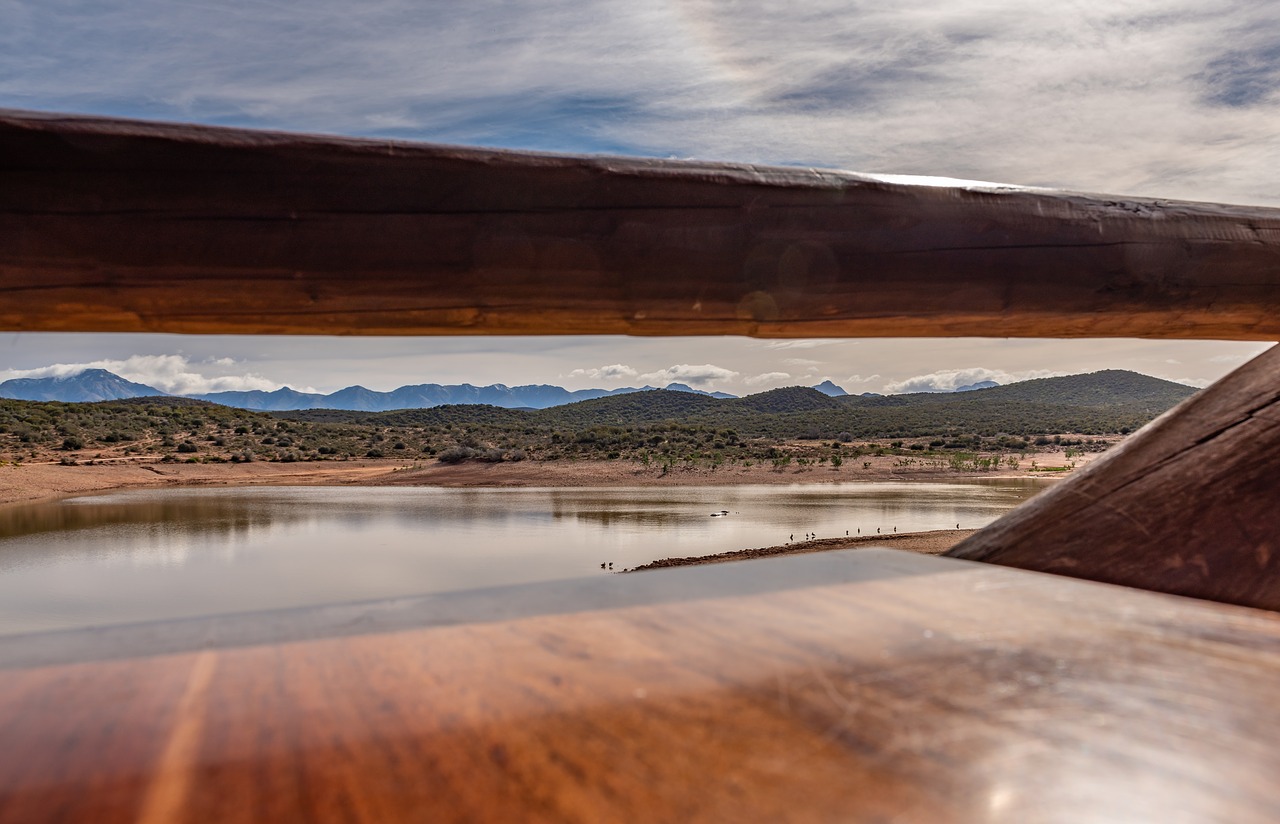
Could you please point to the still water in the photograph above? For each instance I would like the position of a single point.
(153, 554)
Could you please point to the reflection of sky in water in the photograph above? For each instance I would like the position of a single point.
(142, 555)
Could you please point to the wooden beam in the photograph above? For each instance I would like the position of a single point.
(1188, 505)
(112, 225)
(872, 685)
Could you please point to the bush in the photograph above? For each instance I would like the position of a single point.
(373, 453)
(187, 446)
(455, 454)
(72, 443)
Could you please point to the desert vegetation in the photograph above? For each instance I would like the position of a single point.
(983, 431)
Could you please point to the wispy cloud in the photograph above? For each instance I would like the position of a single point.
(766, 378)
(613, 372)
(699, 376)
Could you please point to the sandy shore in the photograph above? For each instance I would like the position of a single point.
(622, 473)
(928, 543)
(32, 482)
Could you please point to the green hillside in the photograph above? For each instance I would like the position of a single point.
(658, 426)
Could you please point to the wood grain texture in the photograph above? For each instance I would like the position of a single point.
(911, 689)
(1188, 505)
(110, 225)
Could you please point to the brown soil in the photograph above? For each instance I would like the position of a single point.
(627, 473)
(926, 543)
(35, 482)
(47, 480)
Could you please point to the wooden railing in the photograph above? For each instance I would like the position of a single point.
(124, 226)
(866, 685)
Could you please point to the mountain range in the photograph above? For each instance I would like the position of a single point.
(101, 385)
(93, 385)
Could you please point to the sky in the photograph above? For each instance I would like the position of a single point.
(1172, 99)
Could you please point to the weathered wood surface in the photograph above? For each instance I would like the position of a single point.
(109, 225)
(870, 685)
(1190, 504)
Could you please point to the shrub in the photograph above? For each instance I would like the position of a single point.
(455, 454)
(72, 443)
(187, 446)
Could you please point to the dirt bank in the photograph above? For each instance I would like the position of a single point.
(35, 482)
(27, 482)
(928, 543)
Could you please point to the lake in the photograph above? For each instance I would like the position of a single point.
(155, 554)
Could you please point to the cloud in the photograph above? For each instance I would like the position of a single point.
(767, 377)
(172, 374)
(613, 372)
(860, 379)
(699, 376)
(947, 380)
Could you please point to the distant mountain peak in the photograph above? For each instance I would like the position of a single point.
(969, 387)
(831, 390)
(86, 386)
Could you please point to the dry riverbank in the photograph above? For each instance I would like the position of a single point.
(934, 542)
(31, 482)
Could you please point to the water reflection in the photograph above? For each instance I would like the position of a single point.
(169, 553)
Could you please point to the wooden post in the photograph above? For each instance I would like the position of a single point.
(110, 225)
(1188, 505)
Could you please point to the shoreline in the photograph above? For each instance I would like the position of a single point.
(931, 542)
(41, 482)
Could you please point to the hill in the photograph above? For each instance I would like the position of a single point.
(662, 426)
